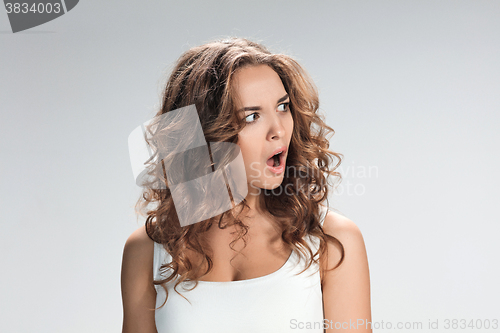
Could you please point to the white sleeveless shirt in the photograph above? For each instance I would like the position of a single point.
(278, 302)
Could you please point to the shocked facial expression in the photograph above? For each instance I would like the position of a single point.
(263, 104)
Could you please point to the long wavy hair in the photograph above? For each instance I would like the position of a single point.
(202, 76)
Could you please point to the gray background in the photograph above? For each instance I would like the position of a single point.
(411, 88)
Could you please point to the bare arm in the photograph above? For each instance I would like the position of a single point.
(138, 292)
(346, 289)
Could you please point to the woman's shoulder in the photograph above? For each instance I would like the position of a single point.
(138, 253)
(139, 241)
(336, 224)
(147, 253)
(348, 234)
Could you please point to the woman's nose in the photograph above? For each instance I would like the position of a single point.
(276, 130)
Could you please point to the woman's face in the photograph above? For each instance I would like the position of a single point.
(262, 102)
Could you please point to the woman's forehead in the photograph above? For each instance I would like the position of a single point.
(254, 83)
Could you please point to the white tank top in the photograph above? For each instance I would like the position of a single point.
(278, 302)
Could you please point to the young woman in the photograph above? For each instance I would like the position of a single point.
(280, 260)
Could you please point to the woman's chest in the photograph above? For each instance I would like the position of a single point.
(272, 303)
(252, 262)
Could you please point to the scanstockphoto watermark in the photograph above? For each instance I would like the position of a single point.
(346, 187)
(330, 324)
(448, 324)
(295, 184)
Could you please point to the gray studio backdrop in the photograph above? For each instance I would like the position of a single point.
(410, 87)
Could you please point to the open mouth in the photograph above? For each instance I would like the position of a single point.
(276, 160)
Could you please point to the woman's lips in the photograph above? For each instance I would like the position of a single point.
(283, 149)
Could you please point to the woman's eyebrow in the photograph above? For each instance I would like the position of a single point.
(282, 99)
(256, 108)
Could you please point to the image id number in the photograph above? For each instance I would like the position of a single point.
(24, 8)
(471, 324)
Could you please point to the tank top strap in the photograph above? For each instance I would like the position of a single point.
(323, 211)
(161, 257)
(314, 241)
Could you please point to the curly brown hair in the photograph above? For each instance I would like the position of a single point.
(202, 76)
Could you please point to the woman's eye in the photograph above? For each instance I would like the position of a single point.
(283, 106)
(251, 118)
